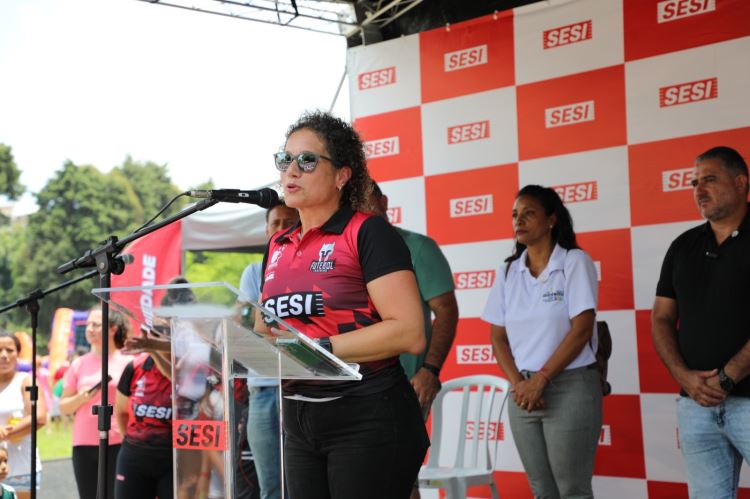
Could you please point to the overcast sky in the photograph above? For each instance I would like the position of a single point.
(93, 81)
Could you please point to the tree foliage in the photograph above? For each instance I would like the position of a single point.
(10, 175)
(152, 185)
(78, 209)
(212, 266)
(11, 246)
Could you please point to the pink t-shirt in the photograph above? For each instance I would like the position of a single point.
(85, 372)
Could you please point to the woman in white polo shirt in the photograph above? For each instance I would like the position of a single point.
(542, 310)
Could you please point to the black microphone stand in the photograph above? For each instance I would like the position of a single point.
(31, 302)
(104, 258)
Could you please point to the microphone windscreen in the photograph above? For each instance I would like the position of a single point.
(268, 198)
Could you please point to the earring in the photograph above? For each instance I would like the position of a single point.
(339, 187)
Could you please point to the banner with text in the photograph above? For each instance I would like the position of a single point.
(608, 102)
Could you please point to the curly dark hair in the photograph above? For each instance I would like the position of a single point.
(344, 147)
(562, 233)
(118, 320)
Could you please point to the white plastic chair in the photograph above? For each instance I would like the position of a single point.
(475, 455)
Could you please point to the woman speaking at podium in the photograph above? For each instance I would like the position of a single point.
(350, 268)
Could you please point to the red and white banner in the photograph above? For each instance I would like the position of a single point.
(156, 259)
(608, 102)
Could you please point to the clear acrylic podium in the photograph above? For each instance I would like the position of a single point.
(213, 350)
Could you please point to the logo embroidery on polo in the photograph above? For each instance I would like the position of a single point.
(275, 257)
(324, 263)
(140, 386)
(552, 295)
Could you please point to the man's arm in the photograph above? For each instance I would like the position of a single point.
(738, 366)
(699, 385)
(445, 308)
(444, 325)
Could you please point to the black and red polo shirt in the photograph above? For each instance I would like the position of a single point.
(318, 283)
(149, 395)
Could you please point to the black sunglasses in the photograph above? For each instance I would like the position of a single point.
(306, 160)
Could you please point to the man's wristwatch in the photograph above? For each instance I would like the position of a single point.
(433, 369)
(726, 383)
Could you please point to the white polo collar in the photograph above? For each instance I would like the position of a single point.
(556, 262)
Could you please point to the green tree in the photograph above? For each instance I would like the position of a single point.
(214, 266)
(12, 238)
(204, 186)
(10, 175)
(78, 208)
(152, 185)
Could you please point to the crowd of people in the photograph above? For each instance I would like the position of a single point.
(384, 299)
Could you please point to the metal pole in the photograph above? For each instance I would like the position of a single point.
(338, 90)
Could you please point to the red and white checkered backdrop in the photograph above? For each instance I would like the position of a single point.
(609, 101)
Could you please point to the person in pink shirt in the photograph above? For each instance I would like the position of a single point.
(80, 394)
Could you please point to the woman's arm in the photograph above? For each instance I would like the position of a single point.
(121, 412)
(528, 393)
(581, 329)
(142, 344)
(259, 326)
(71, 401)
(503, 354)
(396, 298)
(506, 362)
(581, 294)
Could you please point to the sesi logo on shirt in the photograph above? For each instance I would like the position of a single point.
(152, 411)
(307, 304)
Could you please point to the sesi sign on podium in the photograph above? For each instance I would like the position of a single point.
(199, 435)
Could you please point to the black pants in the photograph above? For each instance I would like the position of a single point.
(144, 473)
(246, 479)
(86, 469)
(365, 447)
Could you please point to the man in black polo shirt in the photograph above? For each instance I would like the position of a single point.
(701, 328)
